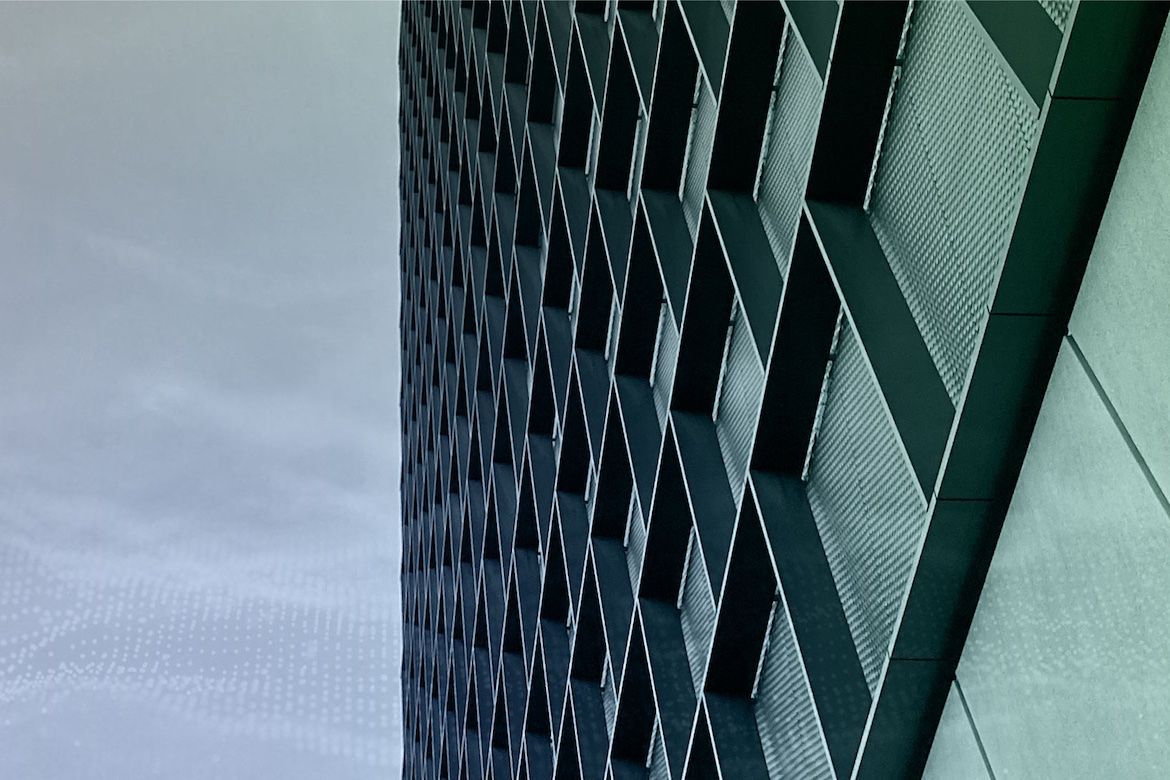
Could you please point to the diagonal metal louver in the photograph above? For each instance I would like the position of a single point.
(724, 330)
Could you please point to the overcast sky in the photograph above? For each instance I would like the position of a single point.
(199, 521)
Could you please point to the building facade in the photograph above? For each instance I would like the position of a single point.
(785, 389)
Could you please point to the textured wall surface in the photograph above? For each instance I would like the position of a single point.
(1066, 671)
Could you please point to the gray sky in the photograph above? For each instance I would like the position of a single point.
(199, 521)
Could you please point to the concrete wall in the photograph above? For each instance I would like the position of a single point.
(1066, 671)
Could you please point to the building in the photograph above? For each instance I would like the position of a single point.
(785, 389)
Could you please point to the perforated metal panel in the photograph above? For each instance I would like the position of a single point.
(694, 185)
(611, 335)
(785, 715)
(659, 769)
(594, 148)
(866, 502)
(639, 155)
(609, 698)
(949, 179)
(1058, 11)
(739, 404)
(635, 542)
(697, 613)
(664, 363)
(792, 127)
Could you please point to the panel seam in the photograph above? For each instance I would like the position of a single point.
(1134, 452)
(974, 730)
